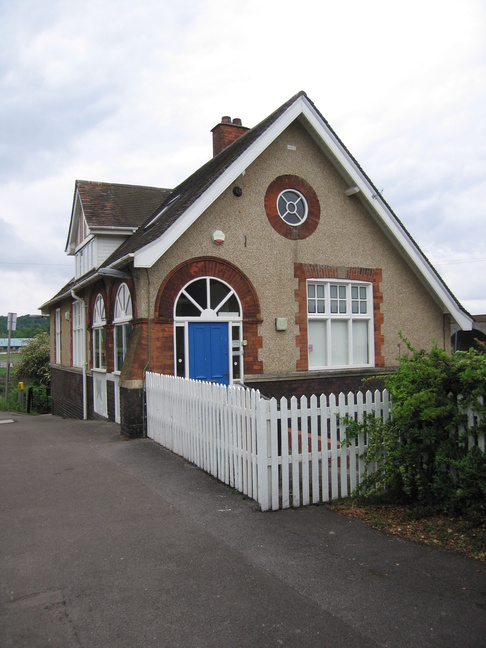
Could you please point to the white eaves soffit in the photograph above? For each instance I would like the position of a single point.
(76, 214)
(303, 110)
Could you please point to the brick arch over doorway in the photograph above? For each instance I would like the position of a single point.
(225, 271)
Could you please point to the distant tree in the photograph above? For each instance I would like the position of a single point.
(27, 326)
(33, 361)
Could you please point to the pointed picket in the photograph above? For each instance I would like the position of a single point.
(315, 437)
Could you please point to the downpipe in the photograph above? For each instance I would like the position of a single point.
(144, 385)
(85, 362)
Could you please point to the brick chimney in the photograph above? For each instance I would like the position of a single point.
(226, 133)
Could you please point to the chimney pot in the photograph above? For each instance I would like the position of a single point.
(226, 132)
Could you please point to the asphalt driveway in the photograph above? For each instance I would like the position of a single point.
(113, 543)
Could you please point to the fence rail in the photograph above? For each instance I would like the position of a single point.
(282, 454)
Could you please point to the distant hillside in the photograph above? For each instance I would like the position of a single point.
(27, 326)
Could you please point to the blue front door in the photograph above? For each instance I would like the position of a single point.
(208, 351)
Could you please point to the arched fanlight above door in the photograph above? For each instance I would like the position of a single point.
(207, 298)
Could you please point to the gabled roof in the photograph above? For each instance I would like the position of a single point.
(171, 213)
(110, 206)
(192, 197)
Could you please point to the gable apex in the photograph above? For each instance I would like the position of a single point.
(201, 190)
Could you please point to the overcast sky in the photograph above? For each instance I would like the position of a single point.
(128, 92)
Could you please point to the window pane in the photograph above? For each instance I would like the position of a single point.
(118, 348)
(95, 348)
(198, 291)
(230, 306)
(218, 292)
(236, 352)
(317, 343)
(185, 307)
(360, 342)
(339, 343)
(180, 352)
(128, 330)
(103, 348)
(315, 298)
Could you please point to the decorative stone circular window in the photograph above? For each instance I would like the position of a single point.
(292, 207)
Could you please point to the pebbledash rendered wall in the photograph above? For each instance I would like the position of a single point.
(269, 272)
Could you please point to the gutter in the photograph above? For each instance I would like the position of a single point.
(85, 385)
(82, 283)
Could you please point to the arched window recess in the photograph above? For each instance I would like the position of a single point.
(208, 332)
(123, 315)
(99, 333)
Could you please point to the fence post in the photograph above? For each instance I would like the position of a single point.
(262, 455)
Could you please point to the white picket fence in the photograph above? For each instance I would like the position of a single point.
(281, 454)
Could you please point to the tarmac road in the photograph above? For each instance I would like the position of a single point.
(112, 543)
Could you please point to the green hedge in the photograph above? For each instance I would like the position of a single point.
(422, 454)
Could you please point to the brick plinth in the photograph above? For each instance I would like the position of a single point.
(67, 393)
(316, 385)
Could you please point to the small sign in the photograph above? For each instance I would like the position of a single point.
(21, 386)
(12, 321)
(311, 348)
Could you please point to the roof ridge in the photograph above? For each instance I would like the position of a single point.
(120, 184)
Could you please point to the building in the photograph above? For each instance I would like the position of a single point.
(15, 343)
(276, 264)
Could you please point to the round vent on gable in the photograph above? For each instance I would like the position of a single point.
(292, 207)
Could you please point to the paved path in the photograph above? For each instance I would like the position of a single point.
(113, 543)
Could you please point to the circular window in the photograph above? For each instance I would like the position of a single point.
(292, 207)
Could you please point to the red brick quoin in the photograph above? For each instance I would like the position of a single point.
(219, 269)
(308, 227)
(304, 271)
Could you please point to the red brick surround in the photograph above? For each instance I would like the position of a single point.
(304, 271)
(220, 269)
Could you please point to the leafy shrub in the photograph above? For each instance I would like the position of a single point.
(33, 361)
(39, 399)
(422, 454)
